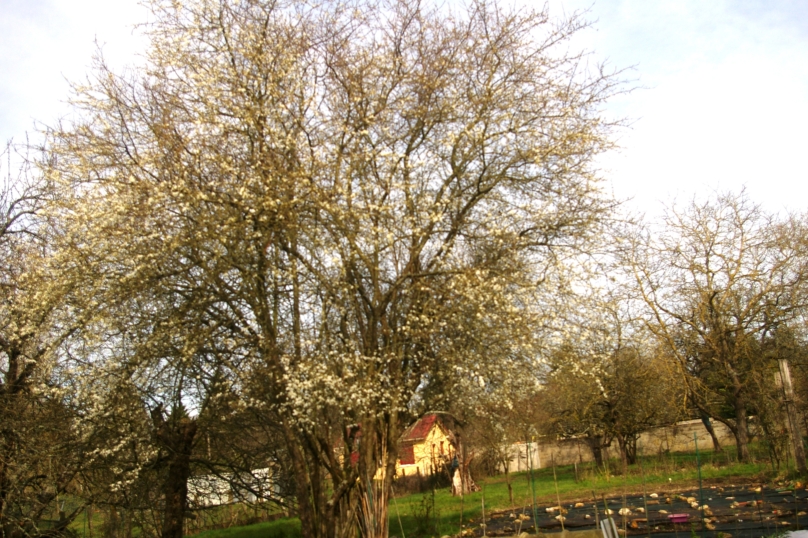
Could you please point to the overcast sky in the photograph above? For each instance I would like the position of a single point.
(722, 100)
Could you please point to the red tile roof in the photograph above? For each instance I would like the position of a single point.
(420, 429)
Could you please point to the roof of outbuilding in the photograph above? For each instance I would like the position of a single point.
(420, 429)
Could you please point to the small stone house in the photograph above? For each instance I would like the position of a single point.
(424, 447)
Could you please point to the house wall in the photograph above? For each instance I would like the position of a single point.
(425, 459)
(209, 490)
(213, 490)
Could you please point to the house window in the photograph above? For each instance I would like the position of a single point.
(407, 455)
(441, 448)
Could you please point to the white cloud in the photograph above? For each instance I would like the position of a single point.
(725, 98)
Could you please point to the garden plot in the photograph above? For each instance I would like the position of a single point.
(740, 511)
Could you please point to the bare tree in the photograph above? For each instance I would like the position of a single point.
(605, 380)
(494, 426)
(718, 278)
(612, 399)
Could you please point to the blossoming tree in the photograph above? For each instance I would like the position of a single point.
(354, 199)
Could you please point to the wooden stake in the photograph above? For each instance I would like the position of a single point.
(532, 485)
(461, 511)
(484, 525)
(597, 519)
(395, 502)
(644, 500)
(558, 497)
(792, 423)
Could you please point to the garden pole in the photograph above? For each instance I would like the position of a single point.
(762, 502)
(609, 522)
(461, 509)
(644, 500)
(625, 516)
(597, 519)
(484, 524)
(759, 503)
(558, 498)
(532, 486)
(395, 502)
(701, 492)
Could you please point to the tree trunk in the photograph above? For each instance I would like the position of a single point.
(772, 445)
(510, 486)
(632, 451)
(791, 414)
(176, 436)
(705, 419)
(467, 484)
(112, 525)
(377, 454)
(5, 525)
(595, 444)
(325, 510)
(741, 430)
(628, 449)
(306, 503)
(176, 485)
(621, 444)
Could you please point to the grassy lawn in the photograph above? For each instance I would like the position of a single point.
(224, 518)
(280, 528)
(437, 513)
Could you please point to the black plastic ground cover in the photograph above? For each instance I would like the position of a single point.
(747, 511)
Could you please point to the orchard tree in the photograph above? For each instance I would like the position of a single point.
(41, 453)
(352, 199)
(719, 277)
(163, 403)
(605, 381)
(496, 424)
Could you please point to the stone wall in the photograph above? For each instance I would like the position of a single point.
(675, 438)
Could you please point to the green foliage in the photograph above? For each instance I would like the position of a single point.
(424, 513)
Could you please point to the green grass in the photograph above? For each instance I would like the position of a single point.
(222, 518)
(281, 528)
